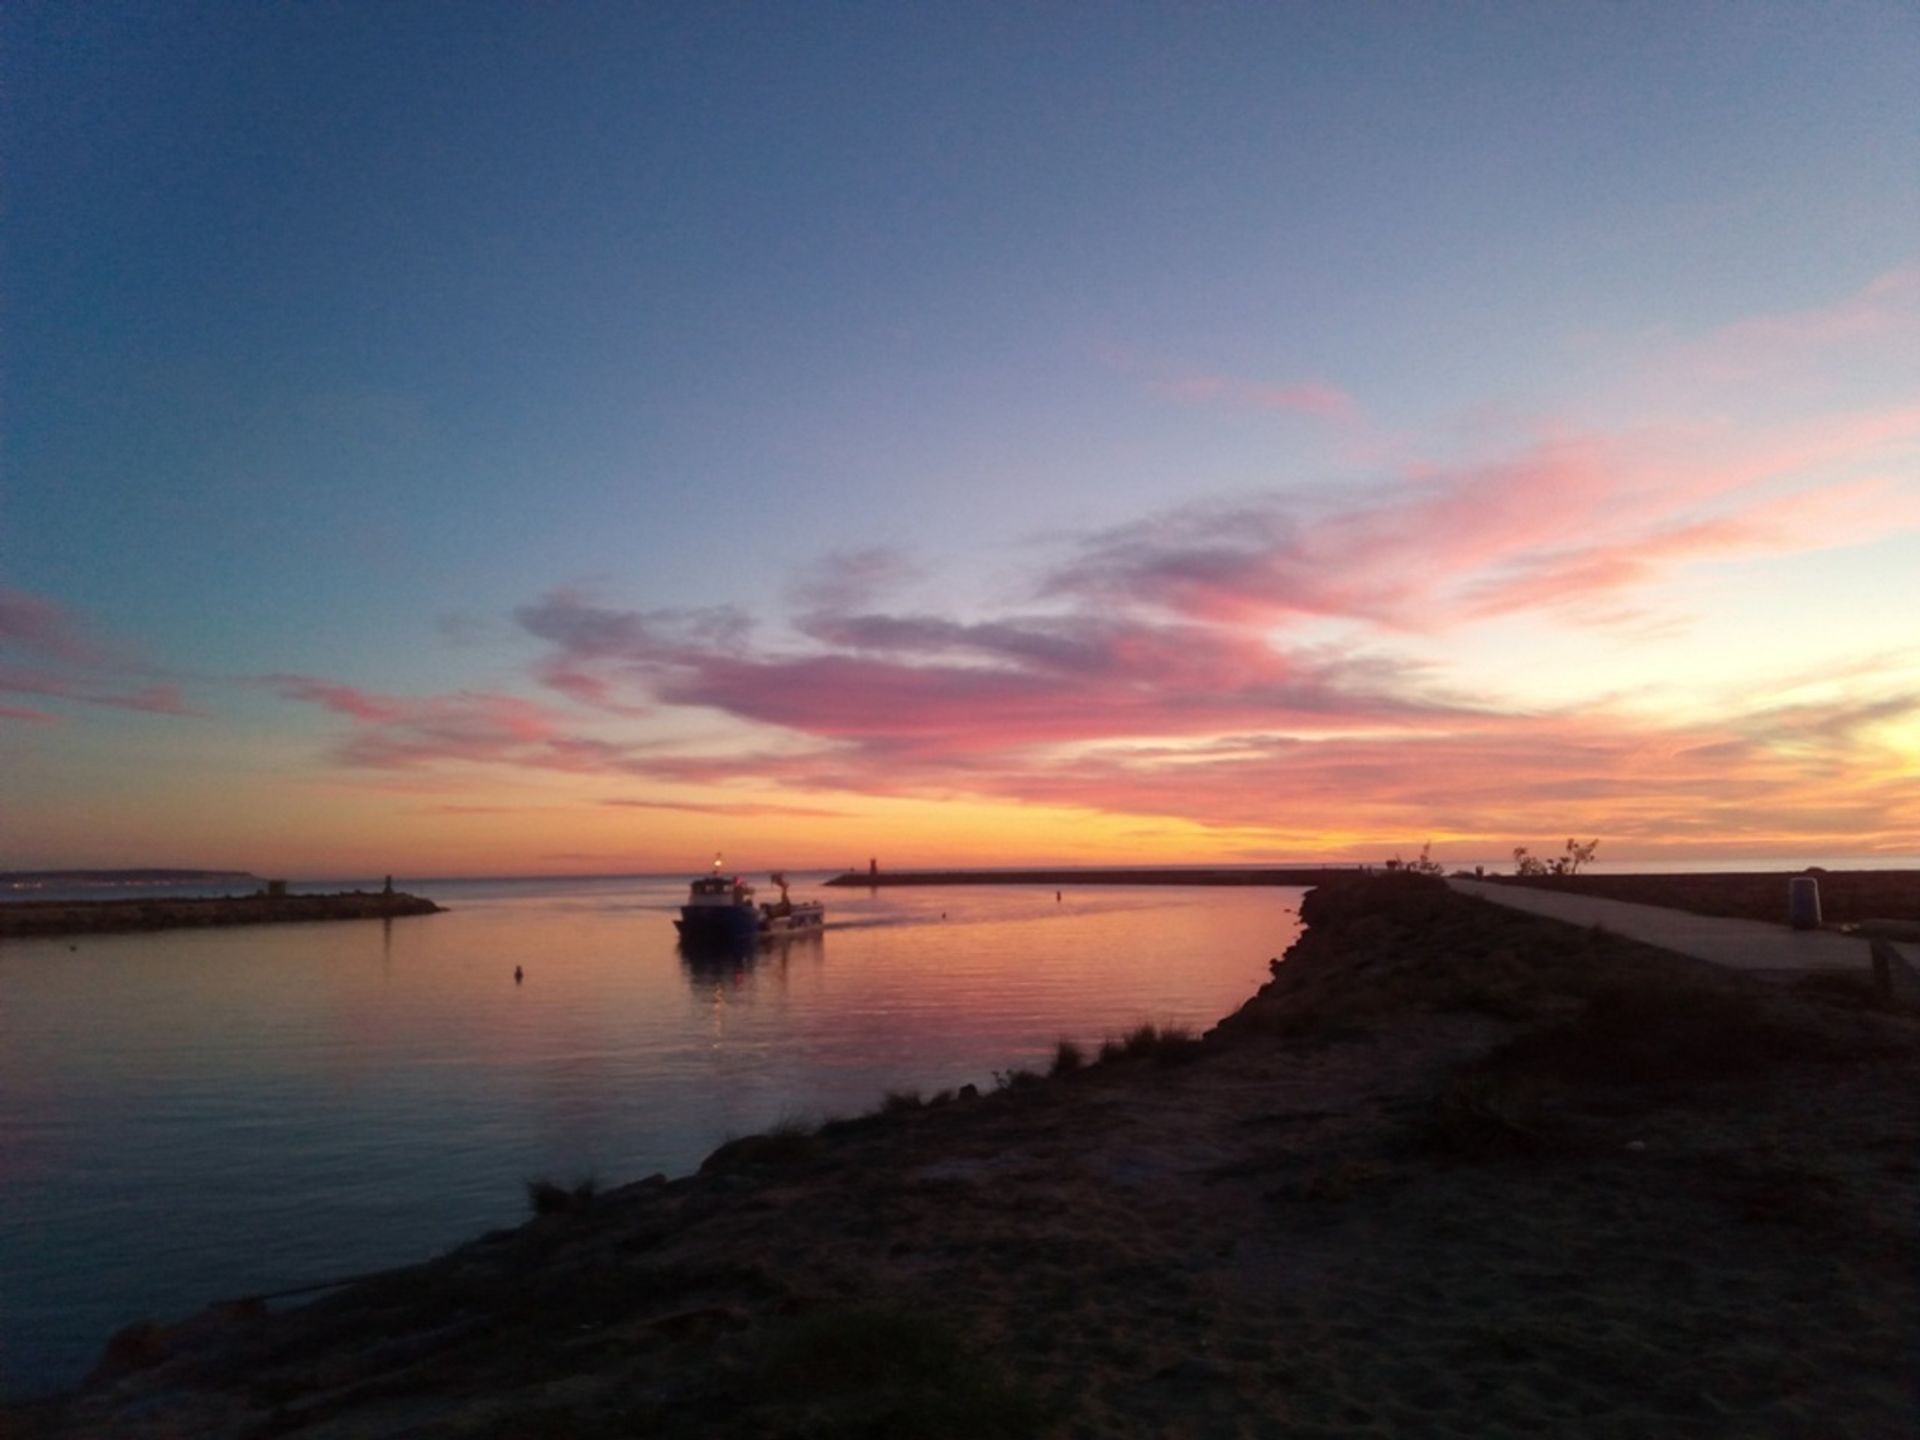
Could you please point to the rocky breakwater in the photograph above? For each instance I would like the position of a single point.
(92, 917)
(1454, 1171)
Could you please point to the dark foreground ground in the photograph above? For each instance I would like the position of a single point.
(89, 917)
(1455, 1172)
(1847, 897)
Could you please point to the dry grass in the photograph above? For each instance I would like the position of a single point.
(1168, 1044)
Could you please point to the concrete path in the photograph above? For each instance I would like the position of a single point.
(1738, 944)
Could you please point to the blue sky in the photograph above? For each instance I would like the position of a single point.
(338, 336)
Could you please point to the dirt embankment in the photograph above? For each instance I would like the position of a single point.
(1455, 1171)
(91, 917)
(1847, 897)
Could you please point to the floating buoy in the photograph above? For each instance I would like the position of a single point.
(518, 974)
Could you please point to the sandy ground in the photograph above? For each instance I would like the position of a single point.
(1455, 1172)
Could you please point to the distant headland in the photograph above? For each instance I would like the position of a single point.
(78, 879)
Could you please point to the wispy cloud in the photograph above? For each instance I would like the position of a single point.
(46, 651)
(35, 625)
(1309, 397)
(926, 684)
(400, 732)
(743, 809)
(1567, 521)
(851, 579)
(1883, 315)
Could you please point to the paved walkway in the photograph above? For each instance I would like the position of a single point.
(1739, 944)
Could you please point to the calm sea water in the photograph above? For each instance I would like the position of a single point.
(201, 1115)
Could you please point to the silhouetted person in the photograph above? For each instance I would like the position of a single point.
(518, 974)
(389, 889)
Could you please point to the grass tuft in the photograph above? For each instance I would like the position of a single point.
(1067, 1058)
(884, 1371)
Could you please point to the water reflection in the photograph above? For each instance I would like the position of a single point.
(713, 970)
(191, 1114)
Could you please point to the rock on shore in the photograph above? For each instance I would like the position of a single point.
(1455, 1171)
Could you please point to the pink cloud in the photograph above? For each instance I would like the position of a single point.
(1574, 518)
(1316, 398)
(1788, 524)
(401, 732)
(45, 651)
(341, 699)
(39, 626)
(151, 699)
(20, 712)
(939, 686)
(1884, 311)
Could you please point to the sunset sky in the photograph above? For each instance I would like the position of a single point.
(473, 438)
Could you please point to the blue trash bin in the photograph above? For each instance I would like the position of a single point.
(1803, 902)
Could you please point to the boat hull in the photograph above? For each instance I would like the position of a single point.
(718, 927)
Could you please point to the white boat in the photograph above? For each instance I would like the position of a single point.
(783, 917)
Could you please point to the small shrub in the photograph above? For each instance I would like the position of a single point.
(1015, 1079)
(547, 1198)
(898, 1102)
(1067, 1058)
(1424, 864)
(791, 1141)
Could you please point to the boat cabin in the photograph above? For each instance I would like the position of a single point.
(719, 890)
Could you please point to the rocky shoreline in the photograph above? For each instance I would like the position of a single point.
(1454, 1171)
(24, 918)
